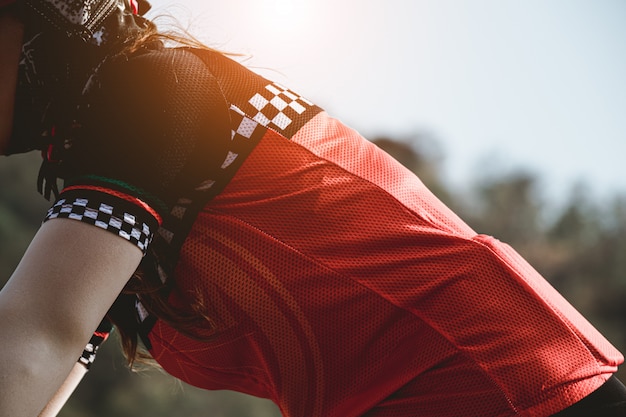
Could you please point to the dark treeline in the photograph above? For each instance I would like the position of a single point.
(579, 245)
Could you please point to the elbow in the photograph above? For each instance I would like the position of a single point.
(29, 374)
(30, 350)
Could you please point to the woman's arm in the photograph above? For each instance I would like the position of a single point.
(68, 278)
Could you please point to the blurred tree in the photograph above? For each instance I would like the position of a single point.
(509, 208)
(420, 154)
(591, 269)
(21, 209)
(575, 236)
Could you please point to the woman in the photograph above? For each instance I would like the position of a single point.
(272, 250)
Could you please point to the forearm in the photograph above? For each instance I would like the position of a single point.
(66, 282)
(79, 370)
(31, 370)
(35, 357)
(65, 391)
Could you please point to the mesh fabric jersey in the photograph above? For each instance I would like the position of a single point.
(339, 285)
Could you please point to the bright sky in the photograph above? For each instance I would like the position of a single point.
(539, 84)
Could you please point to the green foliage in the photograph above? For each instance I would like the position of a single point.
(21, 209)
(581, 249)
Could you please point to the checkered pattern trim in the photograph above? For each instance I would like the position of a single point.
(108, 213)
(98, 338)
(244, 127)
(89, 353)
(273, 107)
(277, 107)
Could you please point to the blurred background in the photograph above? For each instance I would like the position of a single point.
(511, 111)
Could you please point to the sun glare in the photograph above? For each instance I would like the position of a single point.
(284, 15)
(283, 9)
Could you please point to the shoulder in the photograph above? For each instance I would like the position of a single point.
(144, 117)
(150, 75)
(152, 92)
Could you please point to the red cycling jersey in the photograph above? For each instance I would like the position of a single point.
(338, 284)
(345, 288)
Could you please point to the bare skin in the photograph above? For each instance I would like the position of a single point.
(62, 288)
(68, 278)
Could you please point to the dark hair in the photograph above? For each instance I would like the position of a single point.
(176, 37)
(146, 286)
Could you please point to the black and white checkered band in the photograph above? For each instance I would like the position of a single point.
(109, 213)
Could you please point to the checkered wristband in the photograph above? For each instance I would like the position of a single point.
(123, 215)
(99, 337)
